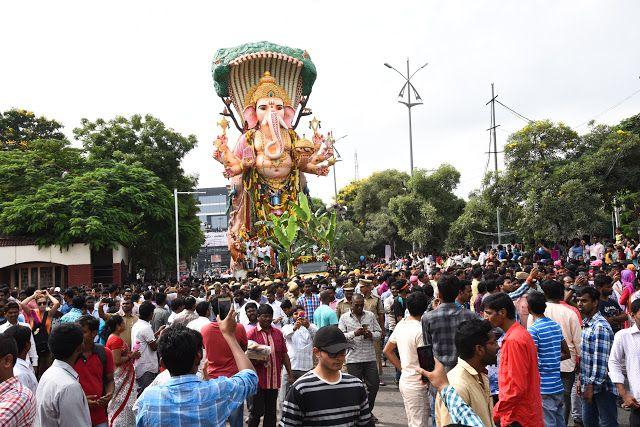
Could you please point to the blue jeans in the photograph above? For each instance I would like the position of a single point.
(552, 409)
(601, 412)
(235, 417)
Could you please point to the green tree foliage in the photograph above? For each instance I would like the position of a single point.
(138, 139)
(367, 204)
(478, 215)
(424, 214)
(557, 185)
(389, 207)
(112, 191)
(19, 127)
(45, 160)
(159, 149)
(350, 243)
(103, 206)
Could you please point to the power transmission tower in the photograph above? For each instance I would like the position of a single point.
(356, 175)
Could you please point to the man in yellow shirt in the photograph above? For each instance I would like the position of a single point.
(477, 347)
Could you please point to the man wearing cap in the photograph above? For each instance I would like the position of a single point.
(344, 305)
(325, 396)
(362, 329)
(294, 293)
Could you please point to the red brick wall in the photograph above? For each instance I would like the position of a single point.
(117, 279)
(79, 274)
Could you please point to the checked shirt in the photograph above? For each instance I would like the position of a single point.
(597, 339)
(310, 304)
(439, 328)
(460, 412)
(186, 400)
(17, 404)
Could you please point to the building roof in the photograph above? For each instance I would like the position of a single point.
(16, 241)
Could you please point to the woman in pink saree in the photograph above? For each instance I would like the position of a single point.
(120, 409)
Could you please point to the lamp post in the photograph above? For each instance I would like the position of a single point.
(335, 181)
(175, 206)
(418, 101)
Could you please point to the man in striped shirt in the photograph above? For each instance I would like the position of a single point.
(325, 396)
(547, 336)
(269, 372)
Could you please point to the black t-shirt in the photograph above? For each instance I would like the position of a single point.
(610, 308)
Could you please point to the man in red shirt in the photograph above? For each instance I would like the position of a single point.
(269, 373)
(220, 361)
(95, 372)
(520, 401)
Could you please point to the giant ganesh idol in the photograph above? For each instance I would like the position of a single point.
(265, 88)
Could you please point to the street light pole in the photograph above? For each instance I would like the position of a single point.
(410, 127)
(335, 181)
(418, 101)
(175, 206)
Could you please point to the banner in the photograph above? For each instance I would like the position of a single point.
(215, 239)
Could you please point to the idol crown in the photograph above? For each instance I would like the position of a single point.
(266, 88)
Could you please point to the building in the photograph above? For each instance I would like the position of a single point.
(212, 205)
(23, 264)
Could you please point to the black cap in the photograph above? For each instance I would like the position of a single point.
(331, 339)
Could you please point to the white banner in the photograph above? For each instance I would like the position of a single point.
(215, 239)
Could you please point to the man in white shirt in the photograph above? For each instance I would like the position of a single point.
(12, 311)
(203, 308)
(60, 399)
(22, 370)
(596, 249)
(406, 338)
(624, 359)
(278, 314)
(299, 339)
(144, 340)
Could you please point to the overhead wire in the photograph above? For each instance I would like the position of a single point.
(616, 105)
(515, 112)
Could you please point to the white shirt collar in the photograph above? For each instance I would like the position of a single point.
(23, 363)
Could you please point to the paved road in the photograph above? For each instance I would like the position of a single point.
(390, 410)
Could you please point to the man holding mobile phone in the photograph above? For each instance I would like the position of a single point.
(361, 361)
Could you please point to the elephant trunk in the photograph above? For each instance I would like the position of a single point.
(274, 149)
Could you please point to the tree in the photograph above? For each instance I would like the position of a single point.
(44, 161)
(478, 216)
(424, 214)
(148, 142)
(102, 207)
(350, 243)
(19, 127)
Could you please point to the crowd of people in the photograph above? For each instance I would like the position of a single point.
(540, 337)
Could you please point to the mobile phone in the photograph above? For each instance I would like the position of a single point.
(425, 357)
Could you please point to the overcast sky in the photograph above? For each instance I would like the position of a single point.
(562, 60)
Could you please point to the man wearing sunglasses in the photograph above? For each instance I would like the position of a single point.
(325, 396)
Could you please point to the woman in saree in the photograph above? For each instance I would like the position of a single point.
(120, 409)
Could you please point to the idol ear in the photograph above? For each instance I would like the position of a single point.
(289, 113)
(249, 115)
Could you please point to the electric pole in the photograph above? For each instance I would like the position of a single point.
(492, 129)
